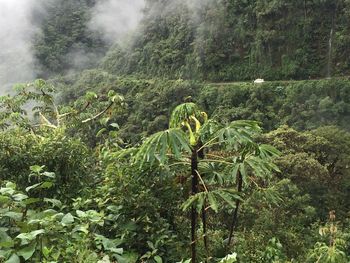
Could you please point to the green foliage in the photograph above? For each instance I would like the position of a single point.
(237, 40)
(295, 103)
(335, 250)
(65, 42)
(107, 189)
(68, 158)
(238, 152)
(321, 155)
(229, 258)
(37, 229)
(157, 147)
(211, 199)
(273, 252)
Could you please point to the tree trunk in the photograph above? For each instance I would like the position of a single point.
(205, 238)
(235, 213)
(194, 170)
(204, 212)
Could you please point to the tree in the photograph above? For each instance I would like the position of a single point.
(219, 158)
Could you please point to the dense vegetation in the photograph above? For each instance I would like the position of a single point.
(105, 177)
(213, 40)
(239, 40)
(65, 43)
(143, 157)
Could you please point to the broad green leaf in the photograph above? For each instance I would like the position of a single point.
(114, 125)
(32, 187)
(27, 251)
(7, 190)
(54, 202)
(49, 174)
(46, 252)
(31, 235)
(80, 213)
(116, 250)
(105, 259)
(229, 197)
(67, 219)
(160, 144)
(4, 199)
(212, 202)
(158, 259)
(31, 201)
(183, 112)
(13, 259)
(81, 228)
(14, 215)
(229, 258)
(19, 197)
(46, 185)
(5, 240)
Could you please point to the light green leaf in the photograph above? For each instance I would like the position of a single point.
(31, 235)
(81, 228)
(27, 251)
(5, 240)
(212, 202)
(14, 215)
(67, 219)
(158, 259)
(13, 259)
(32, 187)
(54, 202)
(19, 197)
(36, 168)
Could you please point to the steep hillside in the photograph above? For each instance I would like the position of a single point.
(238, 40)
(303, 105)
(221, 40)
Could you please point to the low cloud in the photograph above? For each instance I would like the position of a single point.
(17, 30)
(116, 18)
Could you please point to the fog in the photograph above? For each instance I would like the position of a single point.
(115, 19)
(17, 63)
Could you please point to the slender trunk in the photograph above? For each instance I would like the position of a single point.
(204, 212)
(235, 213)
(205, 238)
(194, 170)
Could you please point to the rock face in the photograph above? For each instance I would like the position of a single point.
(259, 81)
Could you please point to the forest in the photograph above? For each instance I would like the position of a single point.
(135, 133)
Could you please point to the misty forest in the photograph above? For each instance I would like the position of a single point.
(175, 131)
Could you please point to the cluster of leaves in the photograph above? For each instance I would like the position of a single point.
(35, 228)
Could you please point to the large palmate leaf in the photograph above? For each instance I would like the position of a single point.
(267, 151)
(238, 133)
(251, 166)
(159, 145)
(212, 198)
(183, 112)
(262, 168)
